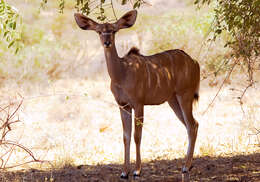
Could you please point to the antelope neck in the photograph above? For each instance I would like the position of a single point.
(115, 67)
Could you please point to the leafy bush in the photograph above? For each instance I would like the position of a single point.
(241, 20)
(9, 28)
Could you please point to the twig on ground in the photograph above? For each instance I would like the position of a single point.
(7, 120)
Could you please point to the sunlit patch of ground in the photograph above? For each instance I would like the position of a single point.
(78, 122)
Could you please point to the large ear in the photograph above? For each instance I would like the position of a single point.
(84, 22)
(127, 20)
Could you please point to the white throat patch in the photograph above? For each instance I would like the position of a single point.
(106, 33)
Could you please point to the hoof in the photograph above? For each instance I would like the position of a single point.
(137, 173)
(124, 175)
(185, 170)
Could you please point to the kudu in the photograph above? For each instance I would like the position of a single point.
(138, 80)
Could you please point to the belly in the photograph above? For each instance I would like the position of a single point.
(158, 95)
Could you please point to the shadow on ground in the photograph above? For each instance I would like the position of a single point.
(242, 168)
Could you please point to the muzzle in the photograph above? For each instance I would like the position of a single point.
(107, 43)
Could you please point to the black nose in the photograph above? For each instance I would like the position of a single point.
(107, 43)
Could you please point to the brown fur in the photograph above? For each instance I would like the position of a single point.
(133, 50)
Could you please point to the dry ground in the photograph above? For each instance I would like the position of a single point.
(240, 168)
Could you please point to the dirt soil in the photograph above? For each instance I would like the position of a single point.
(242, 168)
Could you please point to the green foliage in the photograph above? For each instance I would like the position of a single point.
(97, 8)
(9, 30)
(241, 19)
(138, 3)
(61, 5)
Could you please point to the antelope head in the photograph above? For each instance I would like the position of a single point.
(106, 31)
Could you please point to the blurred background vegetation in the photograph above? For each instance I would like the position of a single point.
(40, 40)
